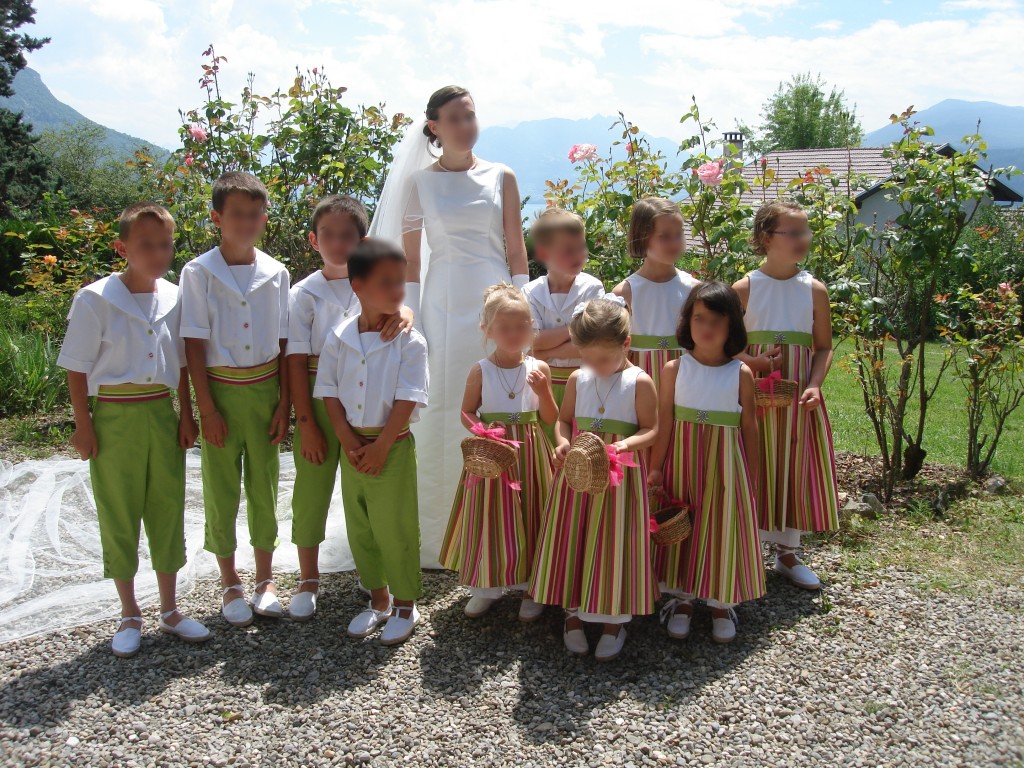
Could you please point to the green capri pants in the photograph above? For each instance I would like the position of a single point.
(138, 478)
(383, 522)
(247, 458)
(314, 485)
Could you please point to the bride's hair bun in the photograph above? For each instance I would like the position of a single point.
(438, 99)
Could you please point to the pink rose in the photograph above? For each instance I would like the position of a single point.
(198, 133)
(189, 159)
(581, 152)
(710, 173)
(630, 148)
(1005, 289)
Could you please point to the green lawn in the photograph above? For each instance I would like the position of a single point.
(946, 431)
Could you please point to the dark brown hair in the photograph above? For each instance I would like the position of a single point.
(722, 300)
(369, 253)
(438, 99)
(342, 204)
(641, 222)
(236, 181)
(554, 221)
(137, 211)
(767, 218)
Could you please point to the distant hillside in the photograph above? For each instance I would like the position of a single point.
(1002, 127)
(537, 150)
(43, 110)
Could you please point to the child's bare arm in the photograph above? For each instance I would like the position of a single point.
(666, 415)
(647, 416)
(472, 396)
(748, 422)
(83, 439)
(214, 427)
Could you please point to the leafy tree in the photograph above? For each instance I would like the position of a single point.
(23, 171)
(801, 115)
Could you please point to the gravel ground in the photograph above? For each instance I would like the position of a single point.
(864, 674)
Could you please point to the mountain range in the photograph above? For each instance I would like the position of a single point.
(538, 149)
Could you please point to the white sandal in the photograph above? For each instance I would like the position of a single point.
(799, 575)
(237, 613)
(126, 642)
(676, 622)
(266, 603)
(302, 606)
(189, 630)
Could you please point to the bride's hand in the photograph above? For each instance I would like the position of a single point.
(392, 325)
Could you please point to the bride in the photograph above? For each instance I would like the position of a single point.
(469, 210)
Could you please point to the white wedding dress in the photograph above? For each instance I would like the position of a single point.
(461, 215)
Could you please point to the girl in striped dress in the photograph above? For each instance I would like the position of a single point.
(655, 293)
(789, 330)
(706, 420)
(492, 531)
(593, 556)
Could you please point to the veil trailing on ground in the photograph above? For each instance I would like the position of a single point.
(51, 562)
(394, 216)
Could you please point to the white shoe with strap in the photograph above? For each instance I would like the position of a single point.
(126, 640)
(610, 646)
(677, 622)
(723, 629)
(400, 625)
(575, 639)
(236, 612)
(369, 621)
(266, 603)
(189, 630)
(530, 610)
(798, 574)
(478, 605)
(302, 606)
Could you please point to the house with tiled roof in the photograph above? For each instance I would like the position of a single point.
(867, 167)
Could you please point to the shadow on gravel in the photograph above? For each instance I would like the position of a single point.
(558, 694)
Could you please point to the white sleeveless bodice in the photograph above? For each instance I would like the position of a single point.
(497, 382)
(708, 388)
(656, 306)
(618, 393)
(780, 305)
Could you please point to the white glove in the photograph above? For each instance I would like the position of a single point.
(520, 281)
(412, 299)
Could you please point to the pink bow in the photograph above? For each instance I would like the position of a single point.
(617, 462)
(492, 433)
(767, 383)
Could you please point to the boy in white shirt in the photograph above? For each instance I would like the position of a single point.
(373, 389)
(234, 318)
(122, 349)
(560, 244)
(317, 305)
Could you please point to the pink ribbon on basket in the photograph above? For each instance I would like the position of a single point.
(492, 433)
(617, 462)
(767, 383)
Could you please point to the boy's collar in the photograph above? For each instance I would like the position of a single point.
(116, 293)
(546, 293)
(319, 286)
(349, 332)
(266, 268)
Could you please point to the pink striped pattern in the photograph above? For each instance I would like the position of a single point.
(796, 487)
(594, 551)
(492, 532)
(707, 468)
(653, 361)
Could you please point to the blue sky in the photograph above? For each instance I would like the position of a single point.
(131, 64)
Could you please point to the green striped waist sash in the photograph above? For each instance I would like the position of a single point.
(524, 417)
(226, 374)
(131, 393)
(374, 432)
(560, 374)
(601, 424)
(639, 341)
(718, 418)
(796, 338)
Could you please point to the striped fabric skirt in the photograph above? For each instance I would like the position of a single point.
(652, 361)
(493, 529)
(707, 469)
(594, 551)
(797, 483)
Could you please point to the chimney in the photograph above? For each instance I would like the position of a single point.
(733, 146)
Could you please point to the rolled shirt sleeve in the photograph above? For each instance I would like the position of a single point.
(326, 384)
(195, 315)
(81, 346)
(412, 372)
(300, 322)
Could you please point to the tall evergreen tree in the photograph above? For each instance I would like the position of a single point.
(23, 169)
(801, 115)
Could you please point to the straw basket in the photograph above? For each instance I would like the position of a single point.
(673, 519)
(486, 457)
(781, 395)
(586, 465)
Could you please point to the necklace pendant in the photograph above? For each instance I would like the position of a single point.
(601, 409)
(511, 395)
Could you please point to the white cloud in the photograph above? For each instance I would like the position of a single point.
(131, 64)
